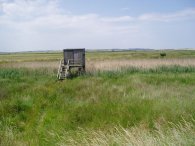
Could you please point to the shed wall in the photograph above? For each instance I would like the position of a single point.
(75, 55)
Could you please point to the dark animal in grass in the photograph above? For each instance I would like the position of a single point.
(163, 54)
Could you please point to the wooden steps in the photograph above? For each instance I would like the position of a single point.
(65, 70)
(61, 70)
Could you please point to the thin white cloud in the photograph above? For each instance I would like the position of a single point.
(48, 12)
(118, 19)
(42, 16)
(30, 8)
(180, 15)
(125, 9)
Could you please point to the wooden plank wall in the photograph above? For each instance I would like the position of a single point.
(74, 54)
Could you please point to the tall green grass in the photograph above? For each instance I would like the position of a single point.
(180, 134)
(100, 108)
(133, 70)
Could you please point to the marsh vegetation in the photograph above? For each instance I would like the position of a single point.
(123, 99)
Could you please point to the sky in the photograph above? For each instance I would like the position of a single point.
(31, 25)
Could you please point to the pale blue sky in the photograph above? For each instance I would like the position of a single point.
(132, 7)
(27, 25)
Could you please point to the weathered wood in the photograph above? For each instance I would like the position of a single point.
(73, 58)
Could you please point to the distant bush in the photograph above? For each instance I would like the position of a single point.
(163, 54)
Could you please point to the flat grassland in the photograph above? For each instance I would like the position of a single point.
(125, 98)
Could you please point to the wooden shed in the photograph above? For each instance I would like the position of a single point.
(73, 58)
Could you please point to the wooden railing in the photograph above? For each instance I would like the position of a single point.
(74, 62)
(59, 68)
(63, 69)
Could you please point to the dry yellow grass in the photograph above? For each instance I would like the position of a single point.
(137, 63)
(106, 64)
(180, 134)
(32, 64)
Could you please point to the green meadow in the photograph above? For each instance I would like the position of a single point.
(130, 106)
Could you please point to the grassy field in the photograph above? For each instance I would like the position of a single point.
(100, 55)
(135, 104)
